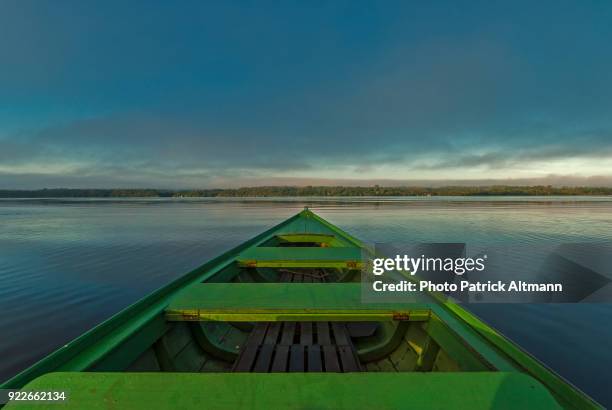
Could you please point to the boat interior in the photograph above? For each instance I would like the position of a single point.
(315, 345)
(286, 307)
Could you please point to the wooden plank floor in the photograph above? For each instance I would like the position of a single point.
(298, 347)
(301, 346)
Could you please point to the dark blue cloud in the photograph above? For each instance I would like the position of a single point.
(202, 92)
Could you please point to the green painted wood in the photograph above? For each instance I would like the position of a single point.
(177, 338)
(191, 358)
(164, 358)
(569, 395)
(390, 337)
(95, 345)
(403, 358)
(231, 391)
(275, 257)
(210, 344)
(116, 343)
(468, 358)
(307, 238)
(275, 301)
(133, 345)
(428, 356)
(147, 362)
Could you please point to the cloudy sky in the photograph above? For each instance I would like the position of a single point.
(222, 93)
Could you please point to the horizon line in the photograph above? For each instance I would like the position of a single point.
(273, 186)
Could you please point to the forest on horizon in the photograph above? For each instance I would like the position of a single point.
(309, 191)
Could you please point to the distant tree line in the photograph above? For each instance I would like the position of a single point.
(306, 191)
(83, 193)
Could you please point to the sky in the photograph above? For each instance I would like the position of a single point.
(203, 94)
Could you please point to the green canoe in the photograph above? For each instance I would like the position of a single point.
(279, 322)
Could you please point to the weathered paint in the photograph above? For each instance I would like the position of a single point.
(274, 257)
(275, 301)
(470, 391)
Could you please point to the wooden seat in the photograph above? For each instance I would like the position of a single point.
(269, 302)
(320, 239)
(279, 257)
(298, 327)
(231, 391)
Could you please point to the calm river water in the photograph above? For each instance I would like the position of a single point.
(66, 265)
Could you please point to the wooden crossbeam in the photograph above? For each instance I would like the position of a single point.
(321, 238)
(281, 302)
(275, 257)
